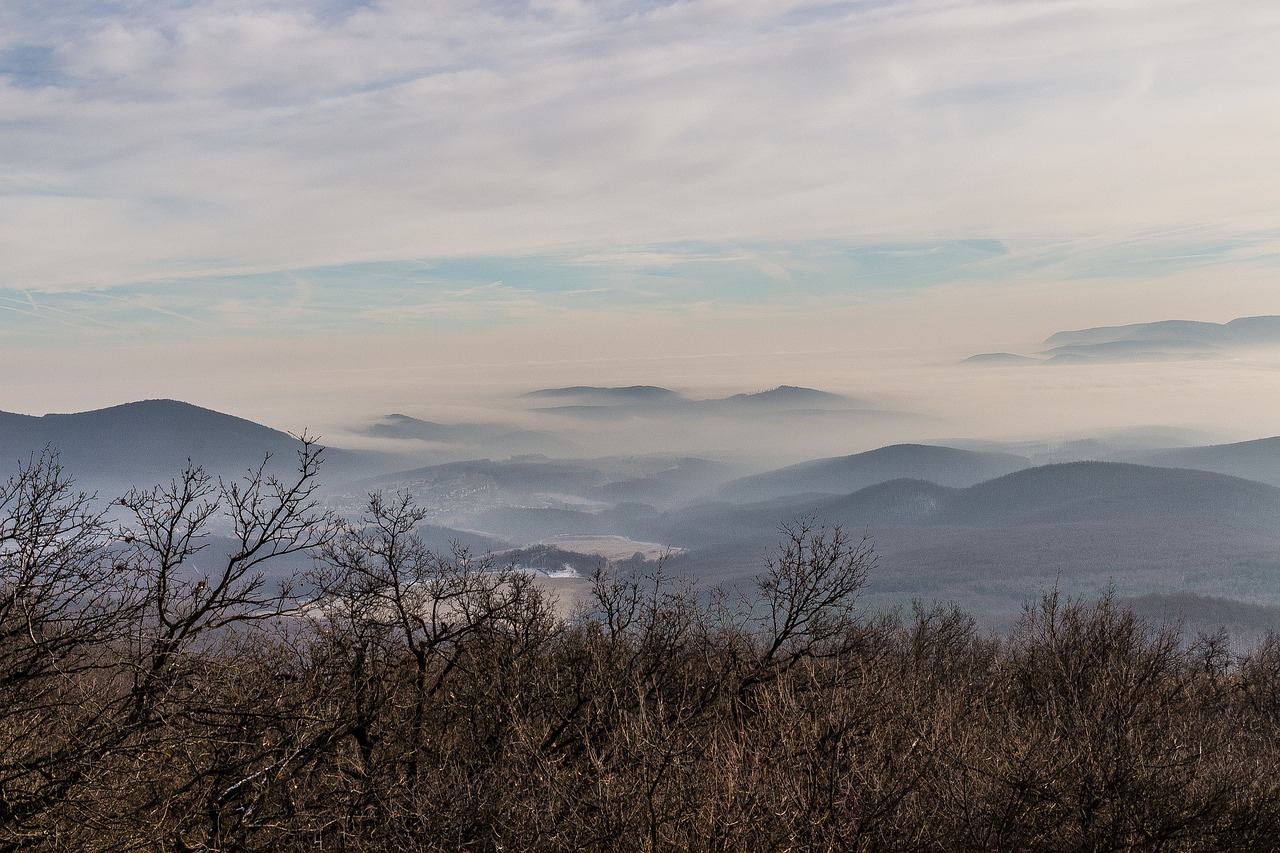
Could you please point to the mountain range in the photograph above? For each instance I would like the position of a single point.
(596, 401)
(1254, 460)
(984, 528)
(1162, 340)
(1079, 526)
(946, 466)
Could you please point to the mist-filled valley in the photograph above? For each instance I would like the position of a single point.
(706, 484)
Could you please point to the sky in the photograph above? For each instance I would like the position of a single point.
(311, 213)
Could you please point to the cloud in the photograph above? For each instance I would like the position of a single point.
(783, 283)
(320, 196)
(175, 139)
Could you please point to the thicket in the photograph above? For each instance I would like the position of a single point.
(415, 701)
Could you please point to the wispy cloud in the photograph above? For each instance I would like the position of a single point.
(170, 139)
(786, 282)
(310, 194)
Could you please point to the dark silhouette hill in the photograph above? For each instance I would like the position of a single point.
(147, 442)
(903, 501)
(1073, 493)
(993, 545)
(1244, 621)
(1077, 495)
(946, 466)
(908, 502)
(1097, 492)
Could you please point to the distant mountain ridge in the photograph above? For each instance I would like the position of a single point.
(606, 395)
(1258, 459)
(1102, 492)
(781, 396)
(1161, 340)
(1080, 527)
(750, 417)
(947, 466)
(1063, 493)
(1071, 493)
(1241, 331)
(147, 442)
(787, 395)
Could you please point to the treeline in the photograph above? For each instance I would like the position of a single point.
(413, 701)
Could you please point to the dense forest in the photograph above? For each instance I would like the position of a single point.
(395, 698)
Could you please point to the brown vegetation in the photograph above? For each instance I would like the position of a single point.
(417, 701)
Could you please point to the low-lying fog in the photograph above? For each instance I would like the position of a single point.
(1155, 404)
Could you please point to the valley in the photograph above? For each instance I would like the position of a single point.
(987, 529)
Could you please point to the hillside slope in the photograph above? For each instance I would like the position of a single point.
(1255, 460)
(148, 442)
(946, 466)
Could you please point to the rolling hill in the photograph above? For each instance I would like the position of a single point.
(990, 546)
(1067, 493)
(1105, 492)
(607, 396)
(1255, 460)
(148, 442)
(789, 397)
(1243, 331)
(1162, 340)
(946, 466)
(589, 400)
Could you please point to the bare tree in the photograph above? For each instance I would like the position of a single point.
(64, 608)
(808, 601)
(188, 619)
(400, 603)
(269, 517)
